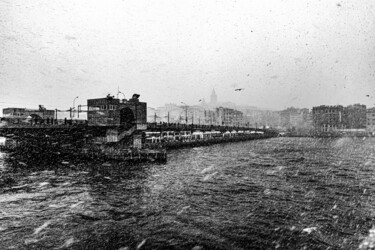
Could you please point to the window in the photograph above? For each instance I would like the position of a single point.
(93, 108)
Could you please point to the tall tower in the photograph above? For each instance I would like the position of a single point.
(213, 98)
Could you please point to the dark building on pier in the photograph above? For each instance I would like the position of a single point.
(110, 111)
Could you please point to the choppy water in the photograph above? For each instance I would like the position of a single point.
(286, 193)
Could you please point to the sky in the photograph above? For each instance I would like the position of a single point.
(281, 52)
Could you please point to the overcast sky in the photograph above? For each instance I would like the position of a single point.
(283, 52)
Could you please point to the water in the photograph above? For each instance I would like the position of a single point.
(281, 193)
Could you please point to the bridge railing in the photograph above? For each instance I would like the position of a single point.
(18, 122)
(191, 127)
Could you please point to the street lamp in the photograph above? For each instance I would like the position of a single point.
(74, 100)
(185, 112)
(204, 110)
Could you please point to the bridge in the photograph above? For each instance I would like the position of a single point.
(112, 124)
(9, 128)
(64, 139)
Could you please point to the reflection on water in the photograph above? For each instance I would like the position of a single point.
(286, 193)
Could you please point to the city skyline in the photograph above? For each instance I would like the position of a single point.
(281, 53)
(202, 102)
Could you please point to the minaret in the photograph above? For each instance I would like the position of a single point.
(213, 98)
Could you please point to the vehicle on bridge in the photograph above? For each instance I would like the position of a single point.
(207, 135)
(227, 134)
(151, 137)
(167, 136)
(177, 136)
(185, 135)
(197, 135)
(212, 134)
(216, 134)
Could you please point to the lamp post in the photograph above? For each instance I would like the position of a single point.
(72, 113)
(186, 117)
(204, 110)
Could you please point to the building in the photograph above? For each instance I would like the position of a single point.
(354, 116)
(229, 117)
(307, 118)
(110, 111)
(370, 121)
(25, 114)
(183, 114)
(210, 117)
(171, 113)
(328, 118)
(290, 117)
(295, 118)
(213, 98)
(256, 117)
(197, 114)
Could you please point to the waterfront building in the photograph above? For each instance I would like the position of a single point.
(256, 117)
(370, 120)
(170, 112)
(110, 111)
(295, 118)
(270, 118)
(354, 116)
(229, 117)
(196, 114)
(307, 118)
(328, 118)
(182, 114)
(290, 117)
(210, 117)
